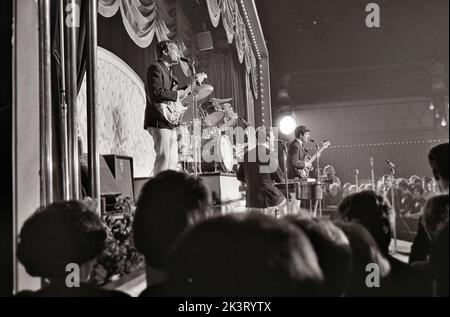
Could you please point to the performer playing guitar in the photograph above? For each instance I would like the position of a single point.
(299, 164)
(164, 105)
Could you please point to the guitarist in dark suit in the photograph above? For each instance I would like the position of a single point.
(297, 154)
(161, 87)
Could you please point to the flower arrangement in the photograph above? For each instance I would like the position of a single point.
(120, 257)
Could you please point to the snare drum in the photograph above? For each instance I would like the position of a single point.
(309, 191)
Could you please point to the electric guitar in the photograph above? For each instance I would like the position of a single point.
(304, 172)
(173, 111)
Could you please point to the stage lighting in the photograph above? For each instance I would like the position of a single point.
(443, 122)
(287, 125)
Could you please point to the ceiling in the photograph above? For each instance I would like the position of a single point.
(307, 37)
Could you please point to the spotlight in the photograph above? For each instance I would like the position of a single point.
(443, 122)
(287, 125)
(431, 106)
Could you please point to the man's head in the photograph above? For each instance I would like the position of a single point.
(243, 255)
(403, 185)
(329, 170)
(438, 159)
(428, 183)
(168, 51)
(334, 189)
(333, 251)
(167, 205)
(302, 133)
(387, 180)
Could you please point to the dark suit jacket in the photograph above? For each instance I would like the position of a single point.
(160, 83)
(261, 191)
(296, 158)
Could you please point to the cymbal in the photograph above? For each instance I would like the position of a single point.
(217, 100)
(202, 92)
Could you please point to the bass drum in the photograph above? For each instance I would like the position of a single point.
(217, 154)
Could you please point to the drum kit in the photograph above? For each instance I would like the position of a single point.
(217, 150)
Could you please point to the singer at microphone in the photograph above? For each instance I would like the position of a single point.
(186, 60)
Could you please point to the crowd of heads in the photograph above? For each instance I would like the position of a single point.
(246, 254)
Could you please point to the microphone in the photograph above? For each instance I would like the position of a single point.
(390, 163)
(312, 141)
(186, 60)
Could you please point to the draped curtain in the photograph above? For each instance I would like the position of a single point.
(235, 29)
(227, 77)
(145, 19)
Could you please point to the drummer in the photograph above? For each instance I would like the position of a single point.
(260, 170)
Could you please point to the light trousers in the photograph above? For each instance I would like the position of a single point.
(166, 148)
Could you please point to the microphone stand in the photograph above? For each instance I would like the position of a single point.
(195, 120)
(286, 181)
(392, 172)
(356, 180)
(318, 202)
(372, 174)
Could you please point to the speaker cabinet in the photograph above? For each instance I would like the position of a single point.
(205, 41)
(108, 185)
(122, 170)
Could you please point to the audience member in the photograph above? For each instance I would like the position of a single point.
(62, 234)
(376, 215)
(439, 262)
(365, 251)
(244, 255)
(334, 197)
(418, 201)
(167, 205)
(333, 251)
(438, 159)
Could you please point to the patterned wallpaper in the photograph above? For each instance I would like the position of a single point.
(121, 107)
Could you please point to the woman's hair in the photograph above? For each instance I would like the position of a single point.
(62, 233)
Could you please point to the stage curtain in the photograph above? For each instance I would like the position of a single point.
(227, 76)
(236, 30)
(143, 19)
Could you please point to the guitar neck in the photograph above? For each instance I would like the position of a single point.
(314, 157)
(188, 90)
